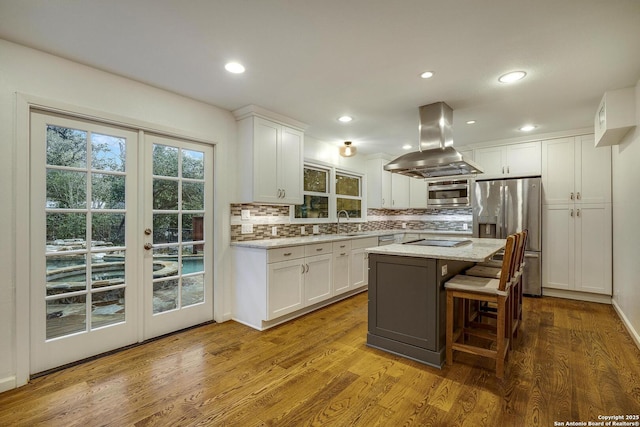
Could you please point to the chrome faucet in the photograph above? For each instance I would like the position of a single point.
(347, 215)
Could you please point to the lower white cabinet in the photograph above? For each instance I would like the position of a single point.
(577, 242)
(275, 285)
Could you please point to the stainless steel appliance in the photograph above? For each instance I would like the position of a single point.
(503, 207)
(449, 193)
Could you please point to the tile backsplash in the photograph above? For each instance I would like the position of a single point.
(264, 217)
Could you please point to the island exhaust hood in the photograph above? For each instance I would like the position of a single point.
(436, 156)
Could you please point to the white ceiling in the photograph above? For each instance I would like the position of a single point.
(314, 60)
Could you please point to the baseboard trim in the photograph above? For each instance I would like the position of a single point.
(8, 383)
(576, 295)
(627, 324)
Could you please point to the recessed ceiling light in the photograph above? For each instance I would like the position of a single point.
(427, 75)
(345, 119)
(406, 147)
(528, 128)
(471, 122)
(511, 77)
(234, 67)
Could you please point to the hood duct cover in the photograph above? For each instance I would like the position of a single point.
(439, 158)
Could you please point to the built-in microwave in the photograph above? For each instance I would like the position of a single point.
(449, 193)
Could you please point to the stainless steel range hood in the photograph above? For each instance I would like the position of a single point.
(437, 157)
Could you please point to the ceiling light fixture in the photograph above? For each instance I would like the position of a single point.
(528, 128)
(406, 147)
(347, 150)
(234, 67)
(427, 75)
(471, 122)
(345, 119)
(512, 76)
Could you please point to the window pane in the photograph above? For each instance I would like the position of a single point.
(66, 231)
(192, 290)
(165, 194)
(193, 196)
(66, 273)
(352, 206)
(192, 164)
(66, 316)
(107, 269)
(165, 262)
(165, 295)
(107, 191)
(313, 207)
(108, 152)
(66, 189)
(165, 228)
(347, 185)
(192, 259)
(315, 180)
(107, 308)
(66, 147)
(107, 229)
(192, 227)
(165, 160)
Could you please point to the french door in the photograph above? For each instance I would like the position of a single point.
(120, 223)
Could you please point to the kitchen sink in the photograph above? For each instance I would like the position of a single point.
(439, 242)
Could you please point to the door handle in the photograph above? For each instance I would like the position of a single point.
(147, 231)
(148, 246)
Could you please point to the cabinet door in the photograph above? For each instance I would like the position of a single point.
(265, 160)
(399, 191)
(523, 159)
(285, 288)
(317, 278)
(378, 184)
(558, 246)
(558, 171)
(341, 266)
(359, 268)
(291, 164)
(593, 248)
(417, 193)
(593, 171)
(492, 160)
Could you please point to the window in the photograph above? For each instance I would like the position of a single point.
(316, 194)
(326, 192)
(349, 194)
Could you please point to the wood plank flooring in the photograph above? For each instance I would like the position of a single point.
(572, 362)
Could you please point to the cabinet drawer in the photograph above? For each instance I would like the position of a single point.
(342, 247)
(317, 249)
(284, 254)
(367, 242)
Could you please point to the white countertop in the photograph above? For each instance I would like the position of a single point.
(323, 238)
(478, 250)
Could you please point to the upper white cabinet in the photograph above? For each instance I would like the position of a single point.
(615, 116)
(399, 191)
(378, 184)
(417, 193)
(509, 161)
(575, 171)
(270, 159)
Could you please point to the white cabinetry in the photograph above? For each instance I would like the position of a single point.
(270, 161)
(399, 191)
(509, 161)
(378, 184)
(359, 269)
(576, 216)
(317, 277)
(341, 265)
(417, 193)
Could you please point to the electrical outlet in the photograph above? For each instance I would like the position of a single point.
(247, 229)
(245, 214)
(465, 226)
(316, 229)
(274, 231)
(404, 225)
(303, 230)
(359, 227)
(444, 270)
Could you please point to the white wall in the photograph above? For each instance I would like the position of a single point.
(326, 152)
(50, 78)
(626, 226)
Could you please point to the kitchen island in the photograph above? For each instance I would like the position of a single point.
(407, 299)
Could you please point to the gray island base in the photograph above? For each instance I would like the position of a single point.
(407, 299)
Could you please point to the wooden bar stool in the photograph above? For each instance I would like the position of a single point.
(496, 291)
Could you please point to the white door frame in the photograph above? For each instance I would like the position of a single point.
(21, 199)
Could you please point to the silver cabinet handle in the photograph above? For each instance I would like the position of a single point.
(578, 212)
(578, 196)
(307, 267)
(508, 169)
(319, 249)
(287, 254)
(302, 268)
(343, 254)
(571, 212)
(572, 196)
(503, 169)
(284, 193)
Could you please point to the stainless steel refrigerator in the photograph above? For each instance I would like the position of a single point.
(506, 206)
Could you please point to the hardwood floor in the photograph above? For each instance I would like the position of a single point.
(573, 361)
